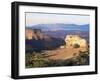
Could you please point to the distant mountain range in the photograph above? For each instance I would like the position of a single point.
(60, 26)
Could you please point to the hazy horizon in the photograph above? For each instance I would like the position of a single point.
(47, 18)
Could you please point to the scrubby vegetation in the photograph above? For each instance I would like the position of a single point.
(76, 45)
(35, 60)
(40, 60)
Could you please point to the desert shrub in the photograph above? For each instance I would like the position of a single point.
(35, 60)
(53, 63)
(69, 62)
(83, 58)
(76, 46)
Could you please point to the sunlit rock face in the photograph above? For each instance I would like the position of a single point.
(71, 40)
(33, 34)
(29, 34)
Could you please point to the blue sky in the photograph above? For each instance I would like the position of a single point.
(45, 18)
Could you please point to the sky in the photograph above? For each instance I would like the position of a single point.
(47, 18)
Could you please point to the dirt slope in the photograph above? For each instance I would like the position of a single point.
(64, 53)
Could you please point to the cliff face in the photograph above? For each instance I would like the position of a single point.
(28, 34)
(35, 34)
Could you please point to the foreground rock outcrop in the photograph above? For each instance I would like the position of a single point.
(71, 40)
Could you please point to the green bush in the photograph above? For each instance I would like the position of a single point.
(76, 45)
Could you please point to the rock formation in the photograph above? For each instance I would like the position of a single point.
(33, 34)
(71, 40)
